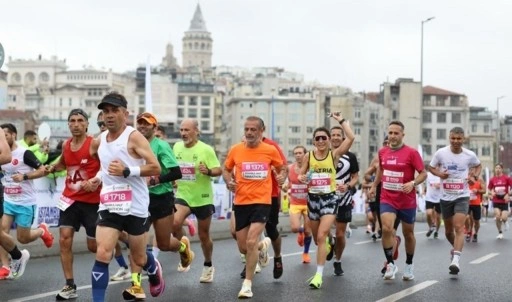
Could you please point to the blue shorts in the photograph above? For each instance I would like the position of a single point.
(405, 215)
(23, 215)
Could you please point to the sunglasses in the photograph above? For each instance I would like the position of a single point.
(101, 124)
(320, 137)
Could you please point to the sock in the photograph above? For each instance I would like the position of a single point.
(149, 247)
(155, 251)
(248, 283)
(150, 265)
(15, 253)
(99, 280)
(70, 282)
(337, 260)
(136, 279)
(209, 263)
(409, 258)
(301, 230)
(120, 260)
(320, 269)
(456, 256)
(307, 243)
(388, 252)
(278, 259)
(183, 247)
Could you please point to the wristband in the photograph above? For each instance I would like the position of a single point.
(342, 121)
(135, 171)
(99, 175)
(209, 172)
(25, 177)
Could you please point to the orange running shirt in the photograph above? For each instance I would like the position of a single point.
(253, 172)
(475, 199)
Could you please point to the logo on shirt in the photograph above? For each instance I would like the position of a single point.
(15, 161)
(83, 161)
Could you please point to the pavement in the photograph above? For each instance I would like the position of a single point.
(219, 230)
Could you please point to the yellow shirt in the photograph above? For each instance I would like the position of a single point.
(323, 179)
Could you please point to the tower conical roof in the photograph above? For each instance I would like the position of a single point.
(198, 23)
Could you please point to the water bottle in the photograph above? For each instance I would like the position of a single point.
(309, 175)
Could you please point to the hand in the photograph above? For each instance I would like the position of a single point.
(203, 168)
(303, 178)
(90, 185)
(18, 177)
(371, 192)
(45, 145)
(342, 188)
(115, 168)
(156, 181)
(49, 169)
(336, 115)
(444, 174)
(437, 186)
(280, 179)
(231, 185)
(408, 187)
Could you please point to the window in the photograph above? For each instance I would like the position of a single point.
(357, 131)
(486, 151)
(474, 127)
(441, 133)
(357, 113)
(205, 101)
(426, 133)
(60, 102)
(294, 129)
(373, 149)
(181, 100)
(205, 113)
(456, 118)
(70, 102)
(474, 149)
(486, 128)
(427, 117)
(192, 112)
(394, 114)
(427, 149)
(426, 101)
(441, 117)
(294, 141)
(309, 141)
(309, 129)
(439, 101)
(205, 125)
(181, 112)
(192, 101)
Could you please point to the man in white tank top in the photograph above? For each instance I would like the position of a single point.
(126, 159)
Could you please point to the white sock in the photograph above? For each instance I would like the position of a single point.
(155, 251)
(320, 269)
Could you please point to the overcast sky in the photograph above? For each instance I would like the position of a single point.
(354, 43)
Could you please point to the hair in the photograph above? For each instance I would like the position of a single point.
(258, 119)
(99, 115)
(457, 130)
(322, 129)
(498, 164)
(161, 129)
(11, 128)
(300, 147)
(339, 128)
(398, 123)
(59, 145)
(29, 133)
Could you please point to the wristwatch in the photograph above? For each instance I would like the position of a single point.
(25, 177)
(126, 172)
(152, 181)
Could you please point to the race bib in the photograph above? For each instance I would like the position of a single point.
(392, 180)
(500, 191)
(299, 191)
(339, 182)
(188, 171)
(255, 170)
(453, 186)
(117, 198)
(472, 195)
(320, 183)
(64, 203)
(12, 191)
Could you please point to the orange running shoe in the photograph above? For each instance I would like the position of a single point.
(300, 239)
(47, 236)
(306, 258)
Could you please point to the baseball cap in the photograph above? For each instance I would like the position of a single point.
(78, 111)
(113, 99)
(148, 117)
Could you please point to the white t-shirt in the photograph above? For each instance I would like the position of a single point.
(433, 194)
(457, 166)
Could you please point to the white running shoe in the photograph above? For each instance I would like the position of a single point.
(121, 274)
(500, 236)
(207, 275)
(245, 292)
(408, 272)
(263, 256)
(454, 267)
(18, 266)
(242, 258)
(391, 270)
(258, 268)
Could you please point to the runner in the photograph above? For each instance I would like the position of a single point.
(77, 206)
(320, 174)
(29, 142)
(198, 164)
(476, 189)
(397, 166)
(20, 196)
(161, 201)
(499, 185)
(456, 166)
(299, 203)
(252, 184)
(125, 156)
(433, 195)
(19, 259)
(347, 177)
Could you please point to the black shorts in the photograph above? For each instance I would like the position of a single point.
(161, 205)
(80, 213)
(374, 207)
(247, 214)
(475, 212)
(273, 217)
(132, 225)
(500, 206)
(344, 214)
(433, 205)
(201, 213)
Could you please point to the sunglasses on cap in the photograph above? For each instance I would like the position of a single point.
(101, 124)
(320, 137)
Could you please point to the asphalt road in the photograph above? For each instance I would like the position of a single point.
(484, 276)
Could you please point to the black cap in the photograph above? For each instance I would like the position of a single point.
(78, 111)
(113, 99)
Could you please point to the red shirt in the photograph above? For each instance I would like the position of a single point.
(501, 186)
(81, 166)
(398, 168)
(275, 185)
(298, 190)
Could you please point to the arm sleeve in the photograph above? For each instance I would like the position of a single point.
(31, 160)
(174, 173)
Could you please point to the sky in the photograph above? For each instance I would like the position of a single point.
(353, 43)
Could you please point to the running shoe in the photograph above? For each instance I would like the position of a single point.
(18, 266)
(430, 231)
(454, 267)
(66, 293)
(121, 274)
(475, 238)
(187, 255)
(263, 256)
(156, 281)
(330, 244)
(278, 268)
(134, 292)
(398, 240)
(316, 281)
(300, 239)
(391, 270)
(500, 236)
(408, 272)
(338, 271)
(245, 292)
(436, 235)
(47, 236)
(191, 227)
(4, 272)
(306, 258)
(207, 274)
(242, 258)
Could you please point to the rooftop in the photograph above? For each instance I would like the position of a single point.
(431, 90)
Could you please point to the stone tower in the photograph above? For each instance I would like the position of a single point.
(197, 43)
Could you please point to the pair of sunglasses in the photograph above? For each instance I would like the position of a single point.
(101, 124)
(320, 137)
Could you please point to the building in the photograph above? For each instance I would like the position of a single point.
(197, 43)
(3, 90)
(481, 137)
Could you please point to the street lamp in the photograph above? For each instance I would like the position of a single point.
(421, 67)
(498, 130)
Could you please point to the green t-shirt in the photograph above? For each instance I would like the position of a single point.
(194, 187)
(166, 159)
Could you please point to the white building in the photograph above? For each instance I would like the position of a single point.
(481, 137)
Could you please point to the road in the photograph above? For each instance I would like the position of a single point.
(485, 268)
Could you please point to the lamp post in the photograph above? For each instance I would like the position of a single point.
(421, 64)
(498, 129)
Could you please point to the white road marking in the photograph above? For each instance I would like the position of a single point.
(371, 241)
(484, 258)
(408, 291)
